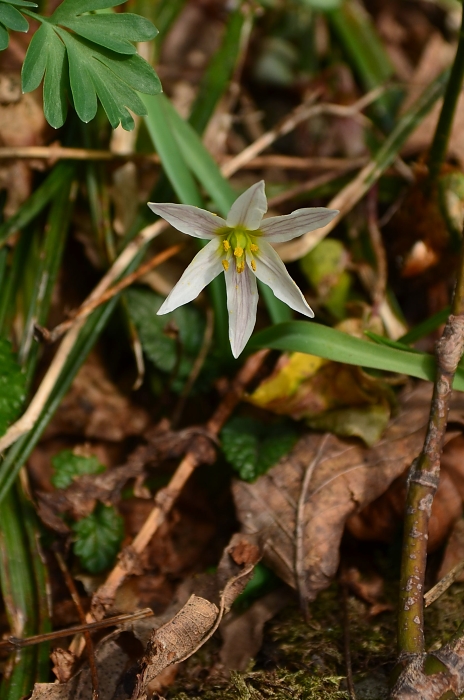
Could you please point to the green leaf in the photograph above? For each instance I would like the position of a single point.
(20, 3)
(68, 465)
(12, 382)
(47, 54)
(115, 31)
(159, 345)
(11, 18)
(94, 61)
(97, 538)
(252, 447)
(312, 338)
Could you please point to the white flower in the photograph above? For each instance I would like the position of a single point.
(240, 246)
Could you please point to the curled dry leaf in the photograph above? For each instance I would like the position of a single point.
(300, 507)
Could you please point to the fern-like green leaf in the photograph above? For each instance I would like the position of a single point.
(94, 61)
(11, 18)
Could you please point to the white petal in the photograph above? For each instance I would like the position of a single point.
(283, 228)
(242, 301)
(271, 270)
(191, 220)
(249, 209)
(205, 266)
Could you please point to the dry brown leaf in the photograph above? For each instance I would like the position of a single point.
(242, 635)
(300, 507)
(95, 408)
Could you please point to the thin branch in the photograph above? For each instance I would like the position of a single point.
(289, 122)
(90, 305)
(443, 584)
(88, 639)
(18, 643)
(424, 477)
(166, 497)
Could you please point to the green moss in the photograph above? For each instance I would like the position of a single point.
(278, 685)
(300, 660)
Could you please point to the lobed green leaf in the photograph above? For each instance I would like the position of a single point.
(252, 447)
(115, 32)
(67, 465)
(97, 538)
(94, 61)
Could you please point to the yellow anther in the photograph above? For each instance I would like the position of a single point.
(254, 248)
(240, 267)
(253, 265)
(225, 265)
(226, 245)
(238, 252)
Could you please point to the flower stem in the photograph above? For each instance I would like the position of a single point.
(443, 129)
(424, 477)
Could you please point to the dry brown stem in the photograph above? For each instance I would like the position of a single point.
(90, 305)
(166, 497)
(80, 610)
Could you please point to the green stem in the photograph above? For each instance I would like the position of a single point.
(424, 478)
(439, 145)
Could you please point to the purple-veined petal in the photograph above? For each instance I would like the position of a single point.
(188, 219)
(242, 300)
(205, 266)
(271, 270)
(249, 209)
(278, 229)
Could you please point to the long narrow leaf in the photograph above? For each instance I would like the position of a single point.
(314, 339)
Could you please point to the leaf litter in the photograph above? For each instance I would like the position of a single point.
(322, 496)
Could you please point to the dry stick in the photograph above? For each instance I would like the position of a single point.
(288, 123)
(89, 306)
(424, 477)
(271, 160)
(443, 584)
(30, 416)
(166, 497)
(19, 643)
(88, 639)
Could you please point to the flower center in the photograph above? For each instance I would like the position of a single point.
(239, 244)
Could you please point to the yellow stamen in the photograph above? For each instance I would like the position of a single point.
(238, 252)
(254, 248)
(225, 265)
(253, 265)
(226, 245)
(240, 267)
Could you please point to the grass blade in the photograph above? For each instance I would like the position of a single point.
(322, 341)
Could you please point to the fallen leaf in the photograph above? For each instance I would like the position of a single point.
(298, 510)
(242, 635)
(95, 408)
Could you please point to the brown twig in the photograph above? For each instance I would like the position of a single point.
(443, 584)
(424, 477)
(18, 643)
(290, 121)
(90, 305)
(80, 610)
(166, 497)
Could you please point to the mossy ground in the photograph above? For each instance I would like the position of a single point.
(306, 661)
